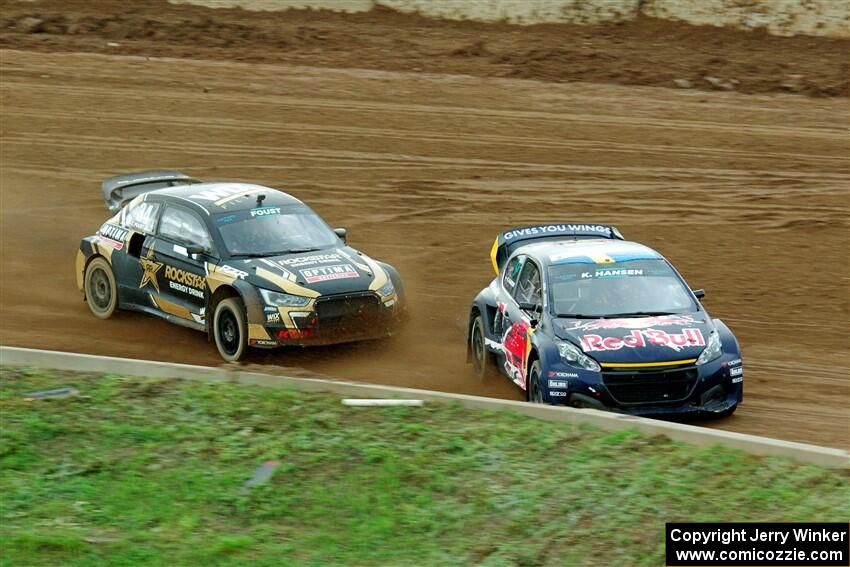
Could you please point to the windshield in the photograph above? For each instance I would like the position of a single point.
(268, 231)
(638, 287)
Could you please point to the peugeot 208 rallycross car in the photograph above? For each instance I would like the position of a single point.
(579, 316)
(248, 265)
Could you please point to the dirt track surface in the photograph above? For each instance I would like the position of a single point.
(747, 195)
(642, 52)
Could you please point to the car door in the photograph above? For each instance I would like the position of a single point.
(181, 276)
(140, 220)
(502, 322)
(526, 297)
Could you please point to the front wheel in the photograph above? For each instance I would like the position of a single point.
(230, 329)
(100, 288)
(533, 390)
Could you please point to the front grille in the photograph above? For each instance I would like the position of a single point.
(347, 312)
(650, 386)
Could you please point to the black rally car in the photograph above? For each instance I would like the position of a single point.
(248, 265)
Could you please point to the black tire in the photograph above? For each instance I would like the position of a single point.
(482, 364)
(533, 391)
(100, 288)
(230, 329)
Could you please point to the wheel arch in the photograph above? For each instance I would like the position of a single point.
(533, 356)
(474, 312)
(395, 277)
(728, 339)
(84, 266)
(88, 251)
(222, 292)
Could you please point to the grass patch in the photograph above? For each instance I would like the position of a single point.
(149, 472)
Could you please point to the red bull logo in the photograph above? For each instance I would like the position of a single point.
(515, 343)
(641, 338)
(634, 322)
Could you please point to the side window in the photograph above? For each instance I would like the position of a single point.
(184, 227)
(142, 217)
(511, 274)
(528, 287)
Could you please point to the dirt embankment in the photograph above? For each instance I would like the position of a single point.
(644, 51)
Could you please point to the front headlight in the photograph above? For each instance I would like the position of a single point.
(283, 299)
(574, 357)
(712, 350)
(387, 289)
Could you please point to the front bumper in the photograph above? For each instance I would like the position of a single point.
(686, 390)
(332, 320)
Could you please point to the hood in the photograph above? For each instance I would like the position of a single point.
(639, 339)
(320, 272)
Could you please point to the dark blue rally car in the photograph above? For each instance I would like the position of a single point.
(578, 316)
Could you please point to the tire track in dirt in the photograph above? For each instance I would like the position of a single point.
(435, 136)
(224, 150)
(451, 111)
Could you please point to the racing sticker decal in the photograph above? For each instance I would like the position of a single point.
(633, 323)
(603, 273)
(737, 374)
(558, 228)
(556, 374)
(111, 243)
(360, 265)
(327, 273)
(309, 260)
(150, 268)
(516, 343)
(232, 272)
(644, 337)
(113, 235)
(265, 211)
(186, 282)
(223, 195)
(284, 272)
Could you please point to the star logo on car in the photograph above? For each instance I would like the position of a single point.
(151, 268)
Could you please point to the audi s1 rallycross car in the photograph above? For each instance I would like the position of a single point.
(578, 316)
(249, 265)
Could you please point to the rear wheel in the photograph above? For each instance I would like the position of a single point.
(478, 349)
(230, 329)
(101, 291)
(533, 390)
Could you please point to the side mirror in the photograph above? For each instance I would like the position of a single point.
(535, 308)
(698, 293)
(342, 233)
(195, 249)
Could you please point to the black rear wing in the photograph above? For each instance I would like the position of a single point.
(121, 189)
(510, 240)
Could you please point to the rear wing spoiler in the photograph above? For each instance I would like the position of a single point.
(510, 240)
(121, 189)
